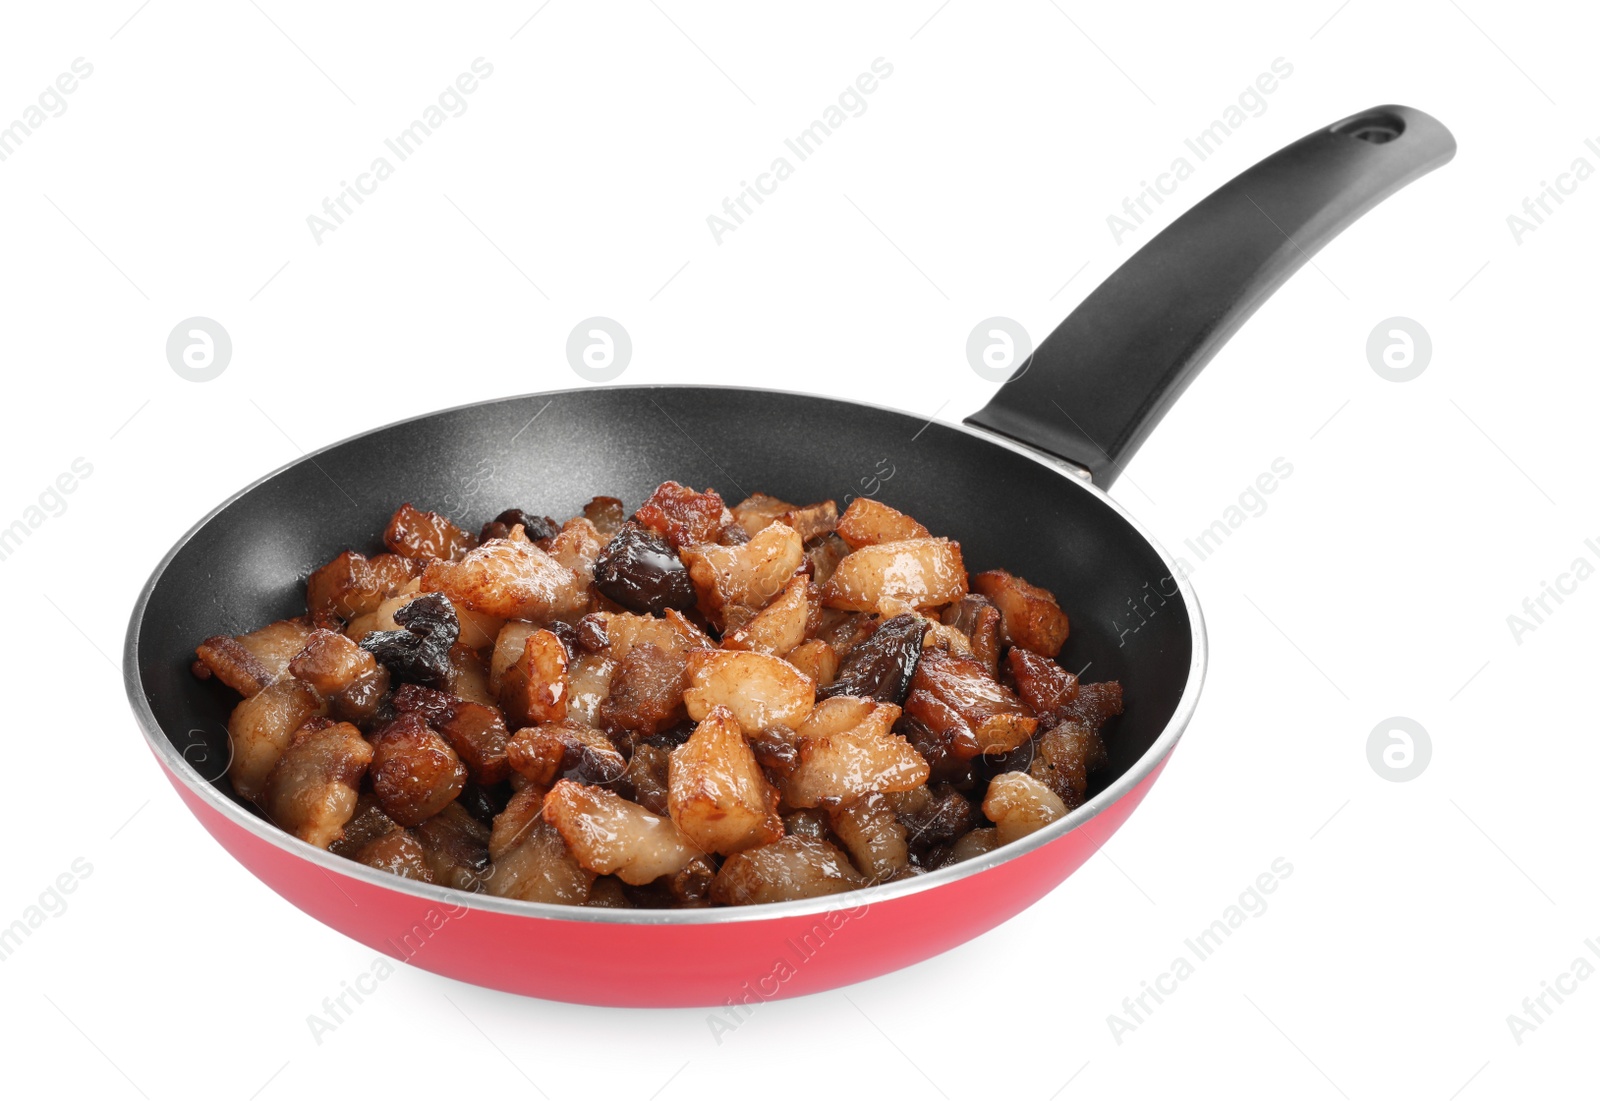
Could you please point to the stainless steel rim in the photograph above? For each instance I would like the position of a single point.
(178, 766)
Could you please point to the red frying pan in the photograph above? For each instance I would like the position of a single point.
(1021, 485)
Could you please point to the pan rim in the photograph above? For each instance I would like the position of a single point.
(177, 766)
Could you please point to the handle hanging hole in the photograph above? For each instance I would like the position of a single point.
(1377, 127)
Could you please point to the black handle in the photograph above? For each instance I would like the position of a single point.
(1096, 386)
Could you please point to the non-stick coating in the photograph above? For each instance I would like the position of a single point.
(550, 453)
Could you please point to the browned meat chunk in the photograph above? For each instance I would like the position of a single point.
(353, 585)
(978, 619)
(545, 754)
(966, 709)
(475, 731)
(684, 516)
(415, 773)
(1063, 759)
(248, 663)
(1032, 619)
(417, 534)
(646, 691)
(1044, 686)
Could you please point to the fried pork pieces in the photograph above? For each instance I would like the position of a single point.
(691, 706)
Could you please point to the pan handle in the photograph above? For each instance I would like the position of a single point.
(1100, 382)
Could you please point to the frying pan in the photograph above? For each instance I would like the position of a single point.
(1020, 485)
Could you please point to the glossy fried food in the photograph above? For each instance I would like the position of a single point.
(686, 705)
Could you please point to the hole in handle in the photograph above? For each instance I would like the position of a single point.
(1377, 127)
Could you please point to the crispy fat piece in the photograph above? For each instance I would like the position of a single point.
(848, 749)
(1018, 805)
(1044, 686)
(248, 663)
(1095, 704)
(346, 676)
(512, 825)
(478, 631)
(718, 796)
(576, 546)
(757, 511)
(782, 625)
(974, 843)
(456, 845)
(589, 678)
(625, 630)
(222, 657)
(758, 689)
(817, 660)
(469, 676)
(925, 573)
(478, 734)
(313, 789)
(382, 618)
(610, 836)
(824, 557)
(398, 853)
(734, 583)
(867, 522)
(509, 645)
(330, 662)
(1063, 759)
(978, 619)
(794, 868)
(359, 702)
(367, 824)
(606, 514)
(813, 521)
(873, 836)
(261, 728)
(540, 868)
(533, 689)
(509, 578)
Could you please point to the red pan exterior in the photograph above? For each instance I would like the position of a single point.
(667, 965)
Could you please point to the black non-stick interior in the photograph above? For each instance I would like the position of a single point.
(549, 454)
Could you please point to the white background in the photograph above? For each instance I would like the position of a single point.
(1377, 583)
